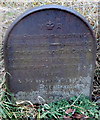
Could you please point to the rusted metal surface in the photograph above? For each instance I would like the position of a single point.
(49, 52)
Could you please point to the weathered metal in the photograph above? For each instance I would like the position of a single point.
(49, 51)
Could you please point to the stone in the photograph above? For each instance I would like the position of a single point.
(49, 52)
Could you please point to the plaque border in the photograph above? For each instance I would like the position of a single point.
(42, 8)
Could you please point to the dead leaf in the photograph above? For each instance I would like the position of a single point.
(78, 116)
(70, 111)
(67, 118)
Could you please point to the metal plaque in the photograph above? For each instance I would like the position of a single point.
(49, 52)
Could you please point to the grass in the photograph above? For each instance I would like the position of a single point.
(74, 108)
(14, 110)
